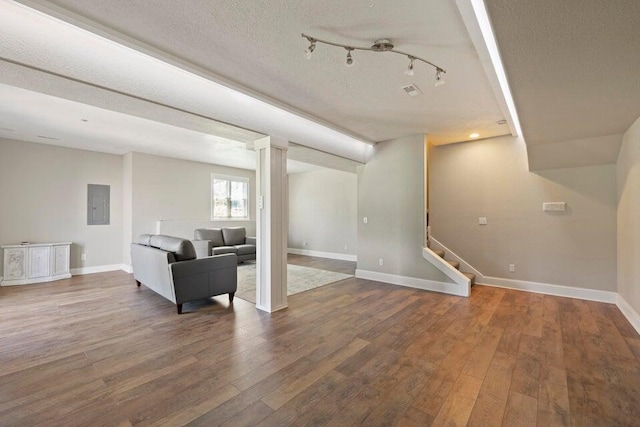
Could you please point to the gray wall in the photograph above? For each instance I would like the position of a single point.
(629, 217)
(323, 211)
(391, 191)
(490, 178)
(44, 199)
(179, 192)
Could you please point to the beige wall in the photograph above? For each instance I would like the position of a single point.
(629, 217)
(179, 191)
(323, 211)
(44, 198)
(391, 191)
(490, 178)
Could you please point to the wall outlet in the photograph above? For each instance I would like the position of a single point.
(365, 219)
(83, 257)
(381, 261)
(304, 243)
(482, 220)
(512, 267)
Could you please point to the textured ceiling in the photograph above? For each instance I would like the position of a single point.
(34, 117)
(573, 67)
(258, 45)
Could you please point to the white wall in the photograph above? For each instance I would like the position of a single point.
(44, 198)
(629, 217)
(391, 188)
(490, 178)
(323, 211)
(179, 193)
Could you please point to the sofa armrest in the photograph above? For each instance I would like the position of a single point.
(204, 277)
(202, 247)
(251, 241)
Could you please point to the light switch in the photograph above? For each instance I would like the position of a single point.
(365, 220)
(482, 220)
(259, 202)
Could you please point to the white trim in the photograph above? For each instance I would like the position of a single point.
(464, 266)
(450, 271)
(632, 316)
(412, 282)
(272, 310)
(330, 255)
(126, 268)
(551, 289)
(97, 269)
(476, 20)
(19, 282)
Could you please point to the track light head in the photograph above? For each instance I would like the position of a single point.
(409, 70)
(349, 58)
(439, 78)
(311, 48)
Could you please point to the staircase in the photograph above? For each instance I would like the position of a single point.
(455, 264)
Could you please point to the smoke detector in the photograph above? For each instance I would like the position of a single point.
(412, 90)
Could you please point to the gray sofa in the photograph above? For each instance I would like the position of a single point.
(168, 266)
(229, 240)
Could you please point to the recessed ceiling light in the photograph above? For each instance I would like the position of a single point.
(474, 135)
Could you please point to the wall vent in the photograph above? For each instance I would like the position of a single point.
(412, 90)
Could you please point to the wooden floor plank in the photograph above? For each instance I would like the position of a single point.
(98, 350)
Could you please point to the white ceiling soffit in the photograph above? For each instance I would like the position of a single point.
(574, 69)
(256, 47)
(35, 117)
(38, 40)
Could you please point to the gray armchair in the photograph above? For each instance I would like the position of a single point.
(168, 266)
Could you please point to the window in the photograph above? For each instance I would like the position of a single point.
(229, 197)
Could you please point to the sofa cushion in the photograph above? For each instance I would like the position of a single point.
(213, 234)
(224, 250)
(246, 249)
(182, 249)
(144, 239)
(234, 235)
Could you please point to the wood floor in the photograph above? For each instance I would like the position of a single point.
(97, 350)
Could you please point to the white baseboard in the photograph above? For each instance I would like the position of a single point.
(99, 269)
(632, 316)
(412, 282)
(273, 310)
(126, 268)
(330, 255)
(549, 289)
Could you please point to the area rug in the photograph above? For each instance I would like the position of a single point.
(299, 279)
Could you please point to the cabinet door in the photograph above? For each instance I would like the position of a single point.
(39, 262)
(15, 263)
(60, 260)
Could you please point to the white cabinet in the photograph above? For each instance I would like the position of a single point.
(35, 263)
(60, 260)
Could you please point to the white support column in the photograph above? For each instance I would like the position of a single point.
(272, 223)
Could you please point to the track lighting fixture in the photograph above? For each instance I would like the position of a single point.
(381, 45)
(409, 70)
(349, 58)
